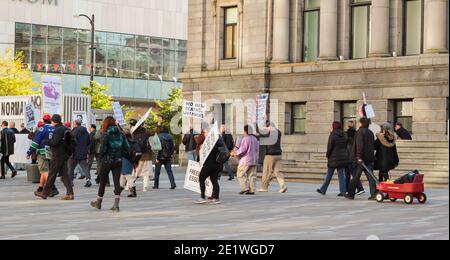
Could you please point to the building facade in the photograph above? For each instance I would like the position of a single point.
(140, 45)
(318, 57)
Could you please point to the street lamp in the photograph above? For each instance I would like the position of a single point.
(92, 48)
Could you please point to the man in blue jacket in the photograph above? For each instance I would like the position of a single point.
(82, 142)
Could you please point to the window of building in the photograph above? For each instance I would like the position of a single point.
(23, 41)
(360, 28)
(349, 111)
(413, 27)
(311, 30)
(70, 44)
(298, 120)
(230, 32)
(404, 113)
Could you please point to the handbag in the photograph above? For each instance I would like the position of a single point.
(155, 143)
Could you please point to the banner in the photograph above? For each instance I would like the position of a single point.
(30, 116)
(52, 95)
(118, 113)
(192, 182)
(143, 119)
(194, 109)
(261, 109)
(20, 149)
(209, 143)
(80, 115)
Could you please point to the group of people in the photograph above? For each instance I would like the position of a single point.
(355, 152)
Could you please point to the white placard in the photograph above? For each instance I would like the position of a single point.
(261, 108)
(140, 122)
(370, 112)
(194, 109)
(30, 116)
(80, 115)
(209, 143)
(20, 149)
(118, 113)
(192, 182)
(52, 95)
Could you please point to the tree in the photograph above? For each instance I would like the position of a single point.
(99, 98)
(15, 79)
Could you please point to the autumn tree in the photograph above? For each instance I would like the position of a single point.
(99, 97)
(15, 79)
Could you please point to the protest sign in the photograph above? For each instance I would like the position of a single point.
(52, 95)
(209, 143)
(118, 113)
(192, 180)
(194, 109)
(30, 116)
(141, 121)
(80, 115)
(20, 149)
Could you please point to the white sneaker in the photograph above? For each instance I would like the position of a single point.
(284, 190)
(202, 201)
(214, 202)
(263, 190)
(361, 193)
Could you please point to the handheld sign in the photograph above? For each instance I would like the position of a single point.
(140, 122)
(118, 113)
(192, 180)
(194, 109)
(210, 143)
(30, 116)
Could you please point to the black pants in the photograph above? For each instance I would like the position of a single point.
(58, 166)
(370, 177)
(350, 174)
(116, 169)
(168, 165)
(383, 176)
(213, 174)
(5, 160)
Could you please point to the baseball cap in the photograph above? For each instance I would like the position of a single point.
(47, 118)
(41, 124)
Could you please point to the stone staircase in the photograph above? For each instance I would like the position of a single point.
(430, 158)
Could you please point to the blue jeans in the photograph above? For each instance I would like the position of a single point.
(192, 156)
(228, 168)
(168, 165)
(342, 180)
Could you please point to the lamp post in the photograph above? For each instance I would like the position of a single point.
(92, 48)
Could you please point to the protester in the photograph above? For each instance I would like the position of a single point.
(94, 148)
(23, 129)
(229, 143)
(401, 132)
(364, 155)
(38, 147)
(114, 147)
(386, 156)
(248, 154)
(127, 180)
(190, 144)
(60, 145)
(7, 141)
(82, 142)
(211, 169)
(337, 159)
(12, 126)
(351, 167)
(165, 158)
(272, 157)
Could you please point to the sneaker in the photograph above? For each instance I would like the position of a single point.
(249, 193)
(320, 192)
(201, 202)
(214, 202)
(284, 190)
(54, 193)
(88, 184)
(155, 188)
(243, 192)
(40, 195)
(341, 195)
(68, 197)
(263, 190)
(173, 187)
(14, 174)
(349, 197)
(2, 177)
(230, 179)
(359, 193)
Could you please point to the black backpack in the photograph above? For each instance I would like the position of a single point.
(135, 152)
(167, 148)
(224, 154)
(69, 142)
(141, 139)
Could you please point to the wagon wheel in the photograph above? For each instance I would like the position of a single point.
(422, 198)
(380, 197)
(409, 199)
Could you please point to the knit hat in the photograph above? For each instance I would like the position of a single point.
(56, 119)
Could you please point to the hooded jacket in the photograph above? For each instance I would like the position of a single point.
(386, 156)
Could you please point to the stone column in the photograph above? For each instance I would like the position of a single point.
(281, 15)
(436, 26)
(380, 20)
(328, 29)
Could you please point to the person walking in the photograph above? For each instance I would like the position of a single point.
(190, 144)
(60, 144)
(127, 180)
(114, 147)
(402, 133)
(38, 146)
(272, 157)
(7, 141)
(248, 154)
(165, 157)
(337, 159)
(82, 141)
(386, 156)
(351, 167)
(211, 169)
(94, 148)
(229, 143)
(363, 154)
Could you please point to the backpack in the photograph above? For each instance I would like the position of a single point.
(69, 142)
(118, 147)
(155, 143)
(135, 152)
(224, 154)
(167, 148)
(142, 139)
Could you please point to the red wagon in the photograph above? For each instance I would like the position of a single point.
(406, 192)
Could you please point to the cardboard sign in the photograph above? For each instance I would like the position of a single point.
(52, 95)
(80, 115)
(30, 116)
(370, 112)
(20, 149)
(210, 143)
(118, 113)
(143, 119)
(194, 109)
(192, 182)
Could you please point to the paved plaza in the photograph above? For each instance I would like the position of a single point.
(167, 214)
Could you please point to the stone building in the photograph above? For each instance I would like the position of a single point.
(317, 57)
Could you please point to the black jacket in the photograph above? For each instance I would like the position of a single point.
(8, 139)
(386, 153)
(273, 149)
(403, 134)
(364, 146)
(337, 153)
(229, 141)
(189, 141)
(57, 143)
(82, 141)
(211, 162)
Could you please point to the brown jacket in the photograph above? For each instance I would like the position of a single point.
(199, 139)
